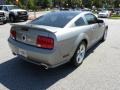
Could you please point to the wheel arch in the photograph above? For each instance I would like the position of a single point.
(11, 14)
(81, 38)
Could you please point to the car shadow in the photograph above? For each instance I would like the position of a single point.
(91, 50)
(19, 74)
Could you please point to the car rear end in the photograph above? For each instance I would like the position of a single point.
(104, 14)
(35, 44)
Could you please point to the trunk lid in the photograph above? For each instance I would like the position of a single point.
(28, 33)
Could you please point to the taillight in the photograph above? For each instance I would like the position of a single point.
(13, 33)
(45, 42)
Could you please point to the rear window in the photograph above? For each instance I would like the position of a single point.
(55, 19)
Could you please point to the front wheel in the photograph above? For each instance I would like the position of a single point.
(79, 54)
(104, 36)
(12, 19)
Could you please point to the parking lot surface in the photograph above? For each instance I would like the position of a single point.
(99, 71)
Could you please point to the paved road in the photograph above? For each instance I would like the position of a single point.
(100, 70)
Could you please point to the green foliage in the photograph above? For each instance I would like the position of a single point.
(8, 1)
(31, 4)
(77, 2)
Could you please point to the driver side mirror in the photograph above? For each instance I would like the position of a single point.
(100, 21)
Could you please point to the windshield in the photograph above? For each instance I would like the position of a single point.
(12, 7)
(0, 7)
(55, 19)
(103, 11)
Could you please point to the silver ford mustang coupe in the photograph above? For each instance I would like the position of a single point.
(57, 37)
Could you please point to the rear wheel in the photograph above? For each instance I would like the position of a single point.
(79, 54)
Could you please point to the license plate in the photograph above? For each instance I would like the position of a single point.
(22, 52)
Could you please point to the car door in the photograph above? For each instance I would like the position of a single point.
(81, 24)
(6, 11)
(92, 22)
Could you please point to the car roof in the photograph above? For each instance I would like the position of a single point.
(67, 12)
(7, 5)
(71, 12)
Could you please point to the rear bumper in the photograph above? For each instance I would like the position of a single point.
(39, 56)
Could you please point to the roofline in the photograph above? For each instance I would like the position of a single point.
(7, 5)
(76, 17)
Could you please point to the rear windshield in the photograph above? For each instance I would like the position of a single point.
(55, 19)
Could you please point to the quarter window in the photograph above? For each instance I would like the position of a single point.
(80, 22)
(91, 19)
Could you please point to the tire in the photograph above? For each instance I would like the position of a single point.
(104, 36)
(25, 19)
(12, 19)
(4, 22)
(79, 54)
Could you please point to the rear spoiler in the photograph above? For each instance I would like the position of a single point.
(39, 27)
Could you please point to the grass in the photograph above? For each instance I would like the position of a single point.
(115, 17)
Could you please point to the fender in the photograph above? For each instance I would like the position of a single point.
(79, 39)
(11, 14)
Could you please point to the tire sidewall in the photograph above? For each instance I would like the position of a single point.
(12, 19)
(74, 59)
(104, 35)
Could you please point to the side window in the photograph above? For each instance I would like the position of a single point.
(5, 8)
(91, 19)
(1, 7)
(80, 22)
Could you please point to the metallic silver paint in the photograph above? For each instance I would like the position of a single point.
(66, 40)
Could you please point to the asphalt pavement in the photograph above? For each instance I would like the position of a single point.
(99, 71)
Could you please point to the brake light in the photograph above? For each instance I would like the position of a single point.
(13, 33)
(45, 42)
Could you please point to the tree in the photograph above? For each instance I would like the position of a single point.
(117, 3)
(78, 2)
(66, 3)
